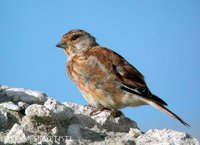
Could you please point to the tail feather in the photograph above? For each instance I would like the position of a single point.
(159, 100)
(167, 111)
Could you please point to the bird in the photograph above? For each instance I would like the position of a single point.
(105, 78)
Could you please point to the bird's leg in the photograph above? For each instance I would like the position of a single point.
(114, 113)
(98, 110)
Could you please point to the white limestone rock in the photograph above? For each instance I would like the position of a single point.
(78, 109)
(23, 105)
(36, 110)
(50, 110)
(116, 124)
(166, 137)
(11, 106)
(47, 121)
(16, 135)
(21, 94)
(58, 110)
(55, 131)
(104, 119)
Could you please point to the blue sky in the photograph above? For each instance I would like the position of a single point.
(160, 38)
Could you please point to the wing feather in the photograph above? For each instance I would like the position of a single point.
(131, 79)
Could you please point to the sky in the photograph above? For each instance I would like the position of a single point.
(160, 38)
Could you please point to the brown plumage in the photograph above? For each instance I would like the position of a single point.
(104, 77)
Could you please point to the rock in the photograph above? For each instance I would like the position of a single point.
(3, 97)
(42, 120)
(21, 94)
(3, 119)
(58, 110)
(37, 111)
(11, 106)
(81, 115)
(104, 119)
(110, 123)
(16, 136)
(3, 88)
(166, 137)
(78, 109)
(78, 132)
(55, 131)
(50, 110)
(86, 137)
(23, 105)
(74, 130)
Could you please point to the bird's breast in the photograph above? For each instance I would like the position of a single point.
(98, 84)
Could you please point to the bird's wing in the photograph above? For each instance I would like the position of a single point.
(132, 80)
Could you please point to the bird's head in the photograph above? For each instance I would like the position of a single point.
(76, 41)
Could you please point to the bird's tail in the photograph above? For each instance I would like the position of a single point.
(165, 110)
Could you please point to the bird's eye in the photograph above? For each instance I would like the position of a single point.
(75, 37)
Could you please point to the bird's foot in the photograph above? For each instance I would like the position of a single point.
(114, 113)
(97, 110)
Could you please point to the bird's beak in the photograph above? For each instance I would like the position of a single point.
(61, 44)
